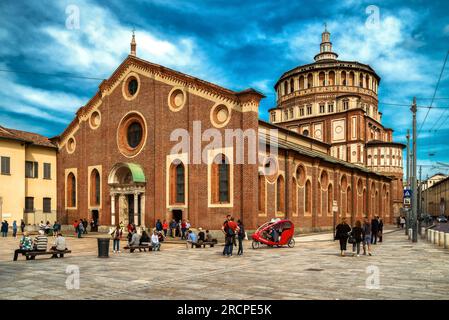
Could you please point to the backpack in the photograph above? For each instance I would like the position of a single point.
(228, 230)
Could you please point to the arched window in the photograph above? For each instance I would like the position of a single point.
(331, 78)
(343, 78)
(177, 183)
(308, 197)
(221, 179)
(330, 199)
(322, 79)
(301, 82)
(294, 194)
(292, 86)
(280, 194)
(261, 184)
(95, 188)
(361, 80)
(71, 190)
(349, 199)
(309, 81)
(285, 87)
(351, 78)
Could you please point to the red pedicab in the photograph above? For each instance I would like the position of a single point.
(276, 232)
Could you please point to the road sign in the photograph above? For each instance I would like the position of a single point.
(407, 201)
(407, 193)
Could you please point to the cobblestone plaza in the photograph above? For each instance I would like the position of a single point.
(312, 269)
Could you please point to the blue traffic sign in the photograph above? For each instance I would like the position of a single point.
(407, 193)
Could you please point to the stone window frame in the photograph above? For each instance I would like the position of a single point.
(128, 78)
(211, 181)
(91, 187)
(170, 159)
(68, 204)
(122, 134)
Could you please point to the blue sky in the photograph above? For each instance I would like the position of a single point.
(235, 44)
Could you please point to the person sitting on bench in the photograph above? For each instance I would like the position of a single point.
(192, 238)
(209, 237)
(135, 241)
(26, 244)
(155, 241)
(201, 235)
(59, 246)
(40, 241)
(144, 239)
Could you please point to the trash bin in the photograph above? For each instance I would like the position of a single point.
(103, 247)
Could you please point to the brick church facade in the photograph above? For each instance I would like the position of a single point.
(116, 159)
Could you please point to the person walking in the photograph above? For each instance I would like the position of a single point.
(158, 225)
(85, 224)
(4, 229)
(14, 229)
(155, 244)
(75, 226)
(357, 235)
(241, 236)
(80, 228)
(116, 236)
(366, 227)
(342, 234)
(22, 226)
(402, 219)
(381, 230)
(183, 229)
(173, 228)
(165, 228)
(374, 230)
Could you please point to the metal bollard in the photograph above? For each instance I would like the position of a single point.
(423, 232)
(428, 234)
(432, 235)
(410, 233)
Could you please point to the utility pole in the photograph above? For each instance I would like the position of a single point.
(413, 176)
(407, 183)
(420, 199)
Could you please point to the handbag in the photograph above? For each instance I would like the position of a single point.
(351, 239)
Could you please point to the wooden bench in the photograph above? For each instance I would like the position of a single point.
(31, 255)
(203, 244)
(140, 247)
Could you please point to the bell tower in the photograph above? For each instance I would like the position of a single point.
(133, 44)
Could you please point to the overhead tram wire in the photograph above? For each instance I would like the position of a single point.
(435, 93)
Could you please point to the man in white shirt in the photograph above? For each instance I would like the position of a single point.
(155, 241)
(60, 246)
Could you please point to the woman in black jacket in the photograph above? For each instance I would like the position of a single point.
(357, 235)
(342, 234)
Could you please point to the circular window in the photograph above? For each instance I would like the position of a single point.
(131, 134)
(305, 132)
(134, 133)
(220, 115)
(176, 99)
(131, 86)
(71, 145)
(270, 169)
(95, 120)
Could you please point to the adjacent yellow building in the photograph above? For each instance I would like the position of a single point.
(27, 177)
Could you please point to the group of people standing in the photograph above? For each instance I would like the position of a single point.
(5, 228)
(366, 233)
(233, 230)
